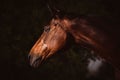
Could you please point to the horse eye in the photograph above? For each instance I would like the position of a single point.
(55, 24)
(46, 28)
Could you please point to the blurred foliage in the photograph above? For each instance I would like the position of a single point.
(22, 23)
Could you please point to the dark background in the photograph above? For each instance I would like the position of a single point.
(21, 23)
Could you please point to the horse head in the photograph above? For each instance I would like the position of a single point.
(53, 38)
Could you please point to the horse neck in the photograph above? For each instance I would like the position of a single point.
(85, 34)
(92, 33)
(95, 38)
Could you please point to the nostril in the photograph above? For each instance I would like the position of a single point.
(29, 56)
(38, 59)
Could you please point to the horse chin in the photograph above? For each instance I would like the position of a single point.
(36, 65)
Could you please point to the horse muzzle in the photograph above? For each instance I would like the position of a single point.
(35, 60)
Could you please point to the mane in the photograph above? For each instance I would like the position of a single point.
(97, 33)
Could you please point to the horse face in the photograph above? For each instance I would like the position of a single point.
(52, 40)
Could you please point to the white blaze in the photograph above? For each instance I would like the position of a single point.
(44, 47)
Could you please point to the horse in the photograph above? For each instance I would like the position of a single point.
(98, 34)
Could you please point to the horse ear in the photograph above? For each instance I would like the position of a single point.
(53, 10)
